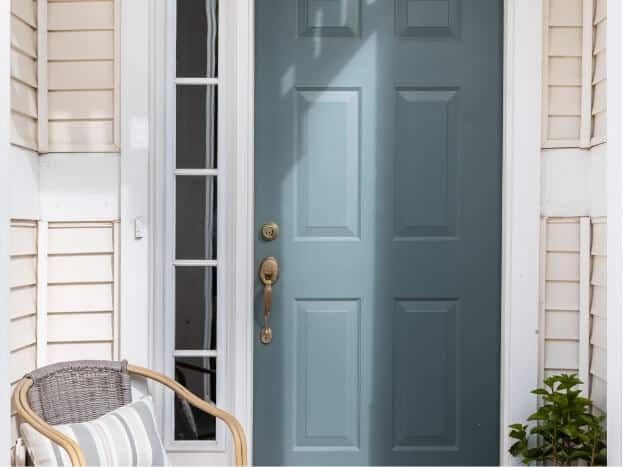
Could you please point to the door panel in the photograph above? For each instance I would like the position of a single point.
(378, 152)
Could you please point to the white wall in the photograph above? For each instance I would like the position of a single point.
(24, 182)
(79, 187)
(573, 182)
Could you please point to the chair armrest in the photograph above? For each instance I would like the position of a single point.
(240, 444)
(22, 407)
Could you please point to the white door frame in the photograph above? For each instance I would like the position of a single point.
(520, 206)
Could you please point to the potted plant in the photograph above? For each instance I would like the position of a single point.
(566, 430)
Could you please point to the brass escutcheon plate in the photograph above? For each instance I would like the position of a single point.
(269, 270)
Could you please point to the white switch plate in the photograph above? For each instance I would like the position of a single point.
(139, 228)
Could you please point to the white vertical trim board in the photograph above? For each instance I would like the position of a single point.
(134, 169)
(521, 214)
(587, 72)
(599, 75)
(242, 358)
(42, 75)
(585, 312)
(42, 292)
(598, 315)
(614, 228)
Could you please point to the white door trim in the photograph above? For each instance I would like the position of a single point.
(615, 226)
(520, 208)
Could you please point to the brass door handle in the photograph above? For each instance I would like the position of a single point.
(269, 273)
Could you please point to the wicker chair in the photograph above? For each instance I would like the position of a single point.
(79, 391)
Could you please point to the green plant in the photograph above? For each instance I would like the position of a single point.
(566, 429)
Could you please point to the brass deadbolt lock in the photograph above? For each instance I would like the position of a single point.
(270, 231)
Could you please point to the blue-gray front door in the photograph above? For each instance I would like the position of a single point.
(378, 153)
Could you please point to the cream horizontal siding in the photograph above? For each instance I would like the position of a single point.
(81, 304)
(599, 86)
(22, 304)
(562, 87)
(574, 73)
(598, 341)
(24, 92)
(83, 103)
(561, 322)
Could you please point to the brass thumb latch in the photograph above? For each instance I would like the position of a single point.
(269, 273)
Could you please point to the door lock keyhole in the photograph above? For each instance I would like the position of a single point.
(270, 231)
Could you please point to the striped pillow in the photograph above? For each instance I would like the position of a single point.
(125, 436)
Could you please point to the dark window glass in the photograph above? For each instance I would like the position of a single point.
(198, 374)
(195, 308)
(195, 217)
(197, 38)
(196, 127)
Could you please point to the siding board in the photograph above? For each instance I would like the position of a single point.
(23, 37)
(561, 355)
(21, 362)
(562, 325)
(81, 45)
(80, 75)
(81, 133)
(92, 326)
(23, 302)
(80, 105)
(565, 100)
(84, 15)
(565, 42)
(566, 12)
(565, 71)
(23, 68)
(23, 99)
(76, 298)
(26, 11)
(23, 240)
(564, 128)
(23, 333)
(563, 266)
(86, 350)
(79, 269)
(23, 271)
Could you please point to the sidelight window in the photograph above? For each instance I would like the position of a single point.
(193, 344)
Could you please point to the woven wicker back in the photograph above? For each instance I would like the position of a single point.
(79, 391)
